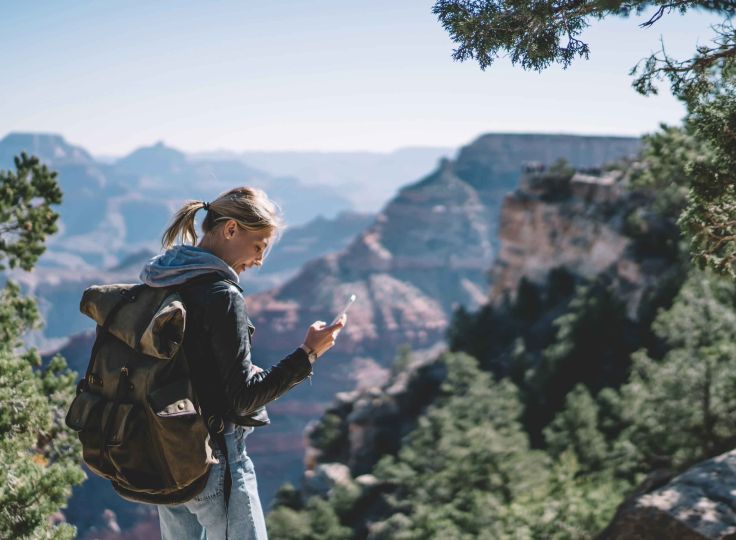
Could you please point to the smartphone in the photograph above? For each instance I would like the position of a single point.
(349, 303)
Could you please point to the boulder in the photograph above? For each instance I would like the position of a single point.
(699, 504)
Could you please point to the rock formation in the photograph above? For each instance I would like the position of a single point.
(584, 226)
(699, 504)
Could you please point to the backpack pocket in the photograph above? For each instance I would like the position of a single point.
(87, 416)
(180, 432)
(132, 452)
(81, 409)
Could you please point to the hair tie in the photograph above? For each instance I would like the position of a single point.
(206, 205)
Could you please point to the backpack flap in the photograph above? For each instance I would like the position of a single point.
(153, 324)
(165, 333)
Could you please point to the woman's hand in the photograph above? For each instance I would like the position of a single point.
(320, 338)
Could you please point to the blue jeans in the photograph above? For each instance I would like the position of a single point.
(206, 516)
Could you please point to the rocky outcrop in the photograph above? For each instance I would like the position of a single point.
(491, 163)
(586, 224)
(323, 478)
(500, 155)
(699, 504)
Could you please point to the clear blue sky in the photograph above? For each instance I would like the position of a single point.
(294, 75)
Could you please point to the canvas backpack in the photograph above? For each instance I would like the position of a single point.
(136, 412)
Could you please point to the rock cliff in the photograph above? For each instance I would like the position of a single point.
(427, 251)
(589, 225)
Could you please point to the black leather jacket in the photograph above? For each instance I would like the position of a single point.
(217, 341)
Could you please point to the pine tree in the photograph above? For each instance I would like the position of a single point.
(38, 456)
(465, 462)
(575, 429)
(680, 408)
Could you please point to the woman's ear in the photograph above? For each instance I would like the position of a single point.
(230, 229)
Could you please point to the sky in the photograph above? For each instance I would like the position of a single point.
(325, 75)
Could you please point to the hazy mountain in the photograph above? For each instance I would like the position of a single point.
(113, 209)
(367, 179)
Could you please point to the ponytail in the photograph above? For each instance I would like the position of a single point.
(182, 225)
(249, 207)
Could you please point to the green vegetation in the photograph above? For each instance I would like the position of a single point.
(469, 468)
(39, 458)
(679, 409)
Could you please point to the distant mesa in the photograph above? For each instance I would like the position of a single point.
(50, 148)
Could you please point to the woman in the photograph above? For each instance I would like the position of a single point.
(239, 228)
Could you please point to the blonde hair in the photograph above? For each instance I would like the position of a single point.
(249, 207)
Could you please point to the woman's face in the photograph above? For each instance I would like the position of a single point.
(241, 248)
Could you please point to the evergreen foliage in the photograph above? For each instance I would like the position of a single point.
(537, 34)
(710, 216)
(467, 472)
(665, 157)
(468, 458)
(39, 457)
(318, 521)
(592, 346)
(568, 505)
(26, 218)
(680, 409)
(575, 429)
(328, 436)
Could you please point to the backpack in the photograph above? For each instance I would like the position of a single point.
(136, 412)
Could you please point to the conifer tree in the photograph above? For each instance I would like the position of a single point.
(680, 409)
(575, 429)
(38, 456)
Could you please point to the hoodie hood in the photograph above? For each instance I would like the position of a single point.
(181, 263)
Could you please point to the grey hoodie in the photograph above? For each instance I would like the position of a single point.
(181, 263)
